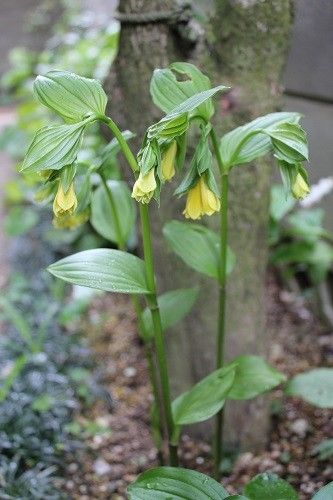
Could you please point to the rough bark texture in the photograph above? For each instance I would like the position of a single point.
(243, 44)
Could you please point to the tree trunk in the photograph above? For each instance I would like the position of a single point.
(243, 44)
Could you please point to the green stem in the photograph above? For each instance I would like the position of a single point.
(122, 142)
(137, 307)
(119, 233)
(152, 297)
(221, 330)
(159, 337)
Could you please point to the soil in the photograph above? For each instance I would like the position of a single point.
(114, 460)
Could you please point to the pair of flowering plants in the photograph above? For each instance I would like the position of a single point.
(187, 103)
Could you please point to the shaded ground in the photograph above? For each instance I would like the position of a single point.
(113, 462)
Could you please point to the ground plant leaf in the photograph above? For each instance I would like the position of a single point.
(166, 483)
(269, 486)
(325, 493)
(314, 386)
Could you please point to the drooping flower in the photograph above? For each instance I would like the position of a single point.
(300, 187)
(65, 203)
(168, 161)
(144, 187)
(71, 221)
(201, 201)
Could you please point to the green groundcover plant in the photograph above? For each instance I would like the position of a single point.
(186, 103)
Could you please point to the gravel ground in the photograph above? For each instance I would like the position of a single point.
(114, 460)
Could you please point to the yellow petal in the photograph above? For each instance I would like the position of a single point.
(144, 187)
(168, 162)
(193, 208)
(210, 202)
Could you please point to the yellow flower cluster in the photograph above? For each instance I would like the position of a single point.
(201, 201)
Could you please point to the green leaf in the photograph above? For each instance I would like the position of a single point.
(237, 497)
(253, 376)
(20, 220)
(324, 449)
(307, 224)
(246, 143)
(289, 142)
(314, 386)
(14, 372)
(166, 483)
(197, 246)
(269, 486)
(71, 96)
(281, 203)
(168, 92)
(53, 147)
(44, 402)
(205, 398)
(325, 493)
(192, 103)
(103, 269)
(174, 305)
(102, 211)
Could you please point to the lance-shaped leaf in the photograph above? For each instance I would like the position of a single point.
(53, 148)
(253, 376)
(71, 96)
(269, 486)
(325, 493)
(103, 269)
(192, 103)
(174, 305)
(248, 142)
(197, 246)
(104, 205)
(314, 386)
(205, 398)
(166, 483)
(168, 92)
(289, 142)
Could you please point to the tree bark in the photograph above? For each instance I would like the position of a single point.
(241, 43)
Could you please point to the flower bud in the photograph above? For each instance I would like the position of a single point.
(168, 161)
(300, 188)
(64, 203)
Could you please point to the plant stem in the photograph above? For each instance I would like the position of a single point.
(159, 337)
(137, 307)
(220, 341)
(119, 233)
(152, 297)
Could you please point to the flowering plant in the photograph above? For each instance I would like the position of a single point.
(187, 103)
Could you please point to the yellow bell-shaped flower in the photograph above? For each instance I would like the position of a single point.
(201, 201)
(64, 203)
(144, 187)
(300, 187)
(168, 162)
(71, 221)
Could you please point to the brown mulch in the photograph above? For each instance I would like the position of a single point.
(114, 460)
